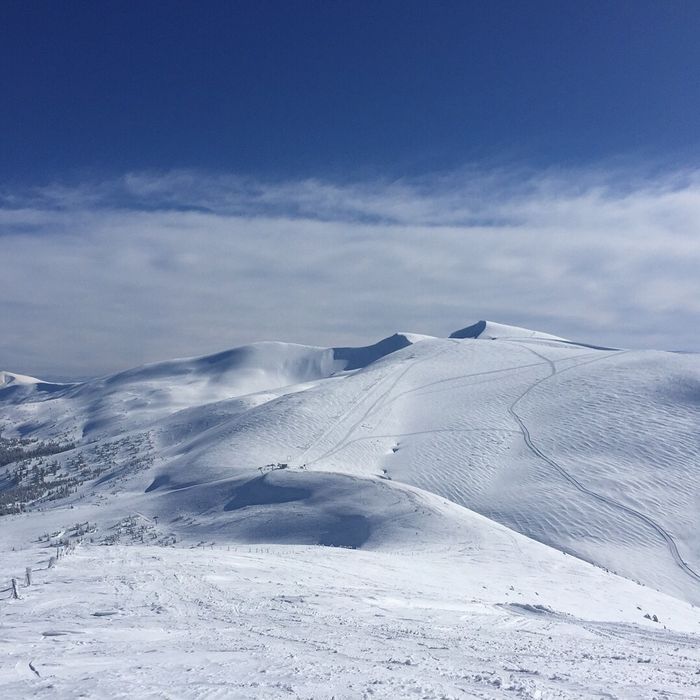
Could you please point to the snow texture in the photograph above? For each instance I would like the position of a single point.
(502, 512)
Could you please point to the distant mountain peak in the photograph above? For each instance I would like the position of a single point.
(491, 330)
(12, 379)
(358, 357)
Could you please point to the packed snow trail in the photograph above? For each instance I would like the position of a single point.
(670, 542)
(377, 402)
(383, 402)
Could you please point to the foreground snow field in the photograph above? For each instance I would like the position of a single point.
(497, 513)
(293, 621)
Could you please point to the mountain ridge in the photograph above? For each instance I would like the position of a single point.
(589, 451)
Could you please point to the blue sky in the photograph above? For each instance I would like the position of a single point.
(342, 89)
(532, 162)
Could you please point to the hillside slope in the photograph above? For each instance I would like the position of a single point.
(591, 451)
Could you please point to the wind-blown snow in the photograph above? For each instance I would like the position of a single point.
(10, 379)
(468, 470)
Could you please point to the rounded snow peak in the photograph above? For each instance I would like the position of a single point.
(491, 331)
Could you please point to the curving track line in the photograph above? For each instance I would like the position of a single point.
(396, 379)
(361, 394)
(670, 542)
(382, 401)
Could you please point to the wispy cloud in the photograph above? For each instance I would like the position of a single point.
(104, 275)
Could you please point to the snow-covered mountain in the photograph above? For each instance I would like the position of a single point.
(490, 330)
(501, 446)
(11, 379)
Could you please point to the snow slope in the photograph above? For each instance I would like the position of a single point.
(492, 455)
(492, 618)
(110, 405)
(491, 331)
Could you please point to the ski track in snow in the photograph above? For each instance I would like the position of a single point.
(400, 374)
(673, 549)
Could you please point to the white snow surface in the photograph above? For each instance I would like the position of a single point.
(478, 516)
(491, 330)
(11, 378)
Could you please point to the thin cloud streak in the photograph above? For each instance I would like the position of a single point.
(102, 276)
